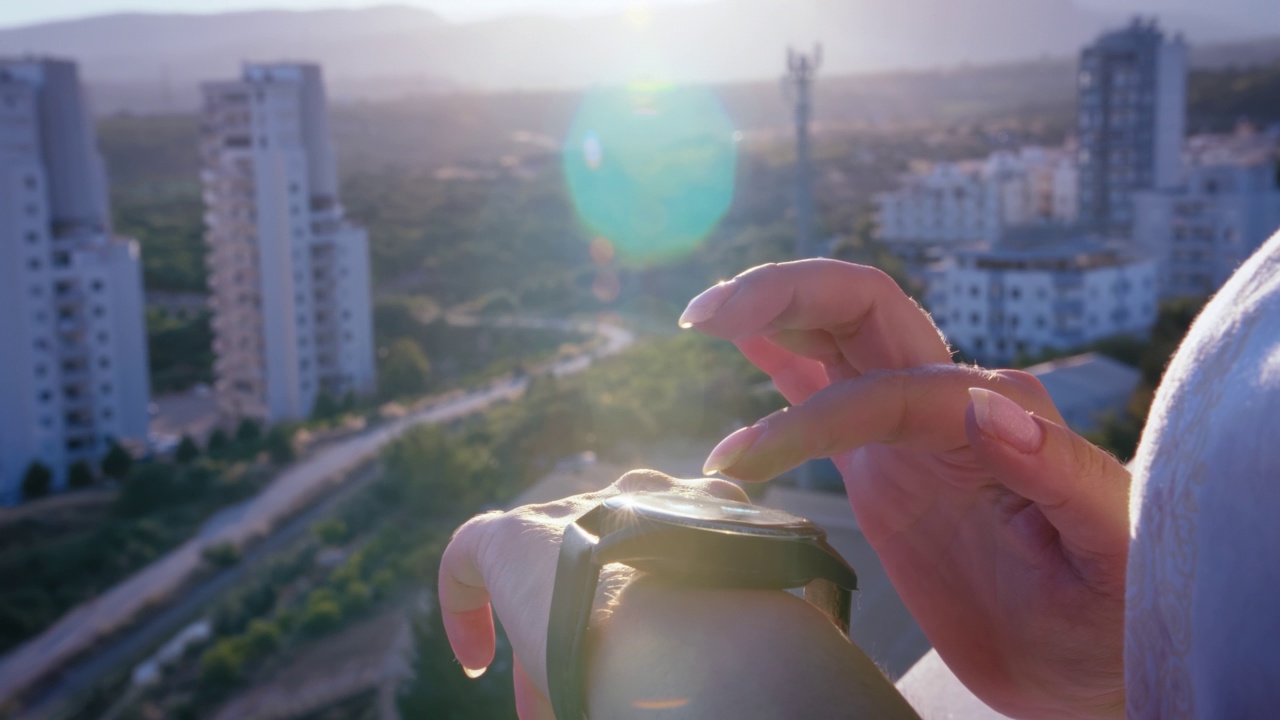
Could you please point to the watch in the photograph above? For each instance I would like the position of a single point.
(702, 542)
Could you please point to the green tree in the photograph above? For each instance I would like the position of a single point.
(322, 613)
(37, 482)
(326, 407)
(148, 488)
(219, 443)
(117, 462)
(221, 555)
(80, 475)
(404, 370)
(187, 450)
(262, 638)
(331, 532)
(248, 432)
(279, 445)
(222, 665)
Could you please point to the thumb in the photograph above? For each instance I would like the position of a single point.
(1080, 488)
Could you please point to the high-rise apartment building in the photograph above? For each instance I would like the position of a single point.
(74, 363)
(289, 275)
(1131, 121)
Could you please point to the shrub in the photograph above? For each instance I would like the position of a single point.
(280, 445)
(331, 532)
(221, 555)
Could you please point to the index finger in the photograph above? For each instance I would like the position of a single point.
(875, 325)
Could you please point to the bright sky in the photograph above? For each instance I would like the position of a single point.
(25, 12)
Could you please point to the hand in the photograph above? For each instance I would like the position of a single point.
(506, 563)
(1005, 533)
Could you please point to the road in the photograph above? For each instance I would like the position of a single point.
(295, 489)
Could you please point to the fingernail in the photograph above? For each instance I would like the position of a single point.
(731, 449)
(473, 673)
(704, 307)
(1004, 420)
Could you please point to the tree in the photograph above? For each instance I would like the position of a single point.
(219, 443)
(80, 475)
(262, 638)
(279, 445)
(187, 450)
(37, 482)
(222, 665)
(326, 407)
(332, 532)
(147, 489)
(248, 432)
(117, 462)
(405, 370)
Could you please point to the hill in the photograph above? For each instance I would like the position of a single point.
(154, 62)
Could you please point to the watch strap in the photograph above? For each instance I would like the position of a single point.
(832, 599)
(571, 602)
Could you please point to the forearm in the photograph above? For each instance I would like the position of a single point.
(668, 652)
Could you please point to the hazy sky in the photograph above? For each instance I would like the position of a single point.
(24, 12)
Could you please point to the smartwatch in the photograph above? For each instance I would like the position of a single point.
(703, 542)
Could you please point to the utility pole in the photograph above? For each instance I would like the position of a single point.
(798, 86)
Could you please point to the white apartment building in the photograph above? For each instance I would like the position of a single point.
(288, 273)
(1227, 207)
(71, 310)
(976, 201)
(1006, 301)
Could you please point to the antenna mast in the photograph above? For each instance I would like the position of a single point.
(798, 85)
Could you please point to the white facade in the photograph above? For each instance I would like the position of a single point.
(289, 274)
(1203, 231)
(1131, 121)
(976, 201)
(1001, 303)
(75, 359)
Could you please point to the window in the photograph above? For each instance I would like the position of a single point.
(96, 285)
(32, 237)
(46, 396)
(1015, 293)
(104, 362)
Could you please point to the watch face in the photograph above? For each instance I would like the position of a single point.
(712, 513)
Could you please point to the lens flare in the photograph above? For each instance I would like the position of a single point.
(651, 167)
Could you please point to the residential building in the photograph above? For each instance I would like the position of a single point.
(952, 204)
(1019, 299)
(1131, 121)
(1088, 388)
(1229, 205)
(75, 359)
(288, 273)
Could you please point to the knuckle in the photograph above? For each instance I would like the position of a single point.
(722, 489)
(644, 481)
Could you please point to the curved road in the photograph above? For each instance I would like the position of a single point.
(296, 488)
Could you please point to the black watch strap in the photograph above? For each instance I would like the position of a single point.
(575, 590)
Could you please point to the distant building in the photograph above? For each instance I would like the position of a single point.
(1087, 388)
(978, 200)
(1131, 121)
(289, 274)
(74, 365)
(1229, 205)
(998, 303)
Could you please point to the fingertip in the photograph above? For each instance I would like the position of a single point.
(471, 636)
